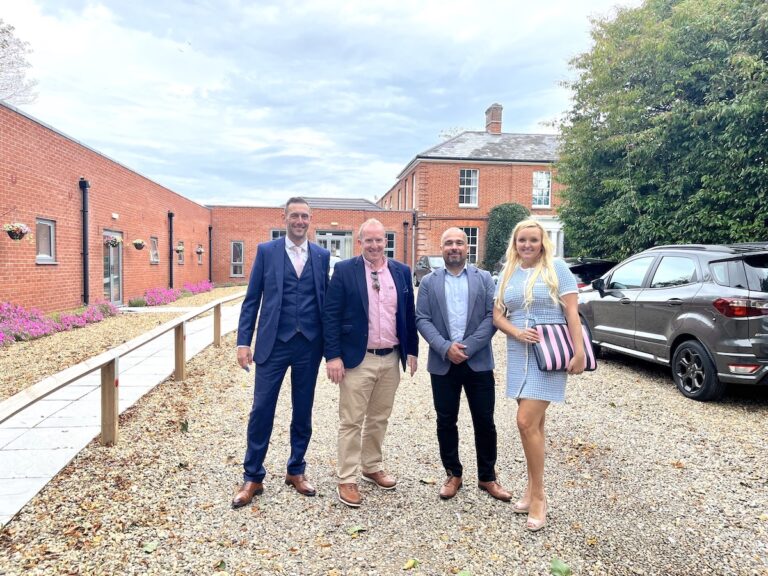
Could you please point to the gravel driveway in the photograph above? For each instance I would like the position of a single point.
(640, 481)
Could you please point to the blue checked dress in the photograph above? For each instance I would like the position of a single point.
(524, 379)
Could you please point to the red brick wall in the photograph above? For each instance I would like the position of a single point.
(254, 225)
(39, 174)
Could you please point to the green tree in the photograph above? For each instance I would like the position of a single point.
(14, 85)
(501, 220)
(667, 138)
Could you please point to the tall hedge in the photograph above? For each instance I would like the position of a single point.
(501, 221)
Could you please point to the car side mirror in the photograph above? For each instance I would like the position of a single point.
(599, 285)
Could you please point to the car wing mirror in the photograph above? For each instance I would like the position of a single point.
(599, 285)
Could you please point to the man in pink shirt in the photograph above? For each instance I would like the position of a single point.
(369, 325)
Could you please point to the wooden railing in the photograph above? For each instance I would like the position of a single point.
(109, 364)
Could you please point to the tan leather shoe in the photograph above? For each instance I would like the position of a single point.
(381, 479)
(450, 487)
(349, 494)
(300, 482)
(494, 489)
(247, 491)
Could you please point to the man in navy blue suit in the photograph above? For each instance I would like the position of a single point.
(288, 283)
(370, 330)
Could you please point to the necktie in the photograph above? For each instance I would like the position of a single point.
(298, 263)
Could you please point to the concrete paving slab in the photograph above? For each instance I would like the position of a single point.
(34, 463)
(33, 415)
(9, 434)
(16, 492)
(50, 438)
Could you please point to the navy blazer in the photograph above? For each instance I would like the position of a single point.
(267, 282)
(434, 324)
(345, 317)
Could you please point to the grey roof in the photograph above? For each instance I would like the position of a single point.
(496, 147)
(343, 204)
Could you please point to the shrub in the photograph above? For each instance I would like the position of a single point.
(137, 302)
(159, 296)
(17, 323)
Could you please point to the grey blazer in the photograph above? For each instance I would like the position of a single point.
(432, 320)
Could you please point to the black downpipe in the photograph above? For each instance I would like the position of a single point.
(170, 249)
(405, 242)
(84, 187)
(210, 253)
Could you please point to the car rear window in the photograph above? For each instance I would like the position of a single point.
(674, 271)
(757, 272)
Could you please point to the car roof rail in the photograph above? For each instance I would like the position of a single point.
(728, 248)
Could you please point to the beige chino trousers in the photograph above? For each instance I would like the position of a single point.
(366, 397)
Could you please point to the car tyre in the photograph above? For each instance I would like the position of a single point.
(694, 372)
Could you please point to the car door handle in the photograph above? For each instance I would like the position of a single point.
(674, 302)
(625, 301)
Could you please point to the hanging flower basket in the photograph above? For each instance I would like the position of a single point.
(138, 244)
(199, 251)
(112, 241)
(179, 249)
(16, 230)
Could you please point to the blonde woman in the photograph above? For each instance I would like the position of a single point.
(535, 289)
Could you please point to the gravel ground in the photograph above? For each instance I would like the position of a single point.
(640, 481)
(25, 363)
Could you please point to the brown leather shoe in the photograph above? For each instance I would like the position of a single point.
(349, 494)
(300, 482)
(381, 479)
(494, 489)
(450, 487)
(247, 491)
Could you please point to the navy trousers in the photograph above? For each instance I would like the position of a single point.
(481, 397)
(303, 357)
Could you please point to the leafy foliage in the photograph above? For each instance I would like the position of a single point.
(667, 137)
(501, 221)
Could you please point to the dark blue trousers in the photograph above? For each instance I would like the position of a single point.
(481, 397)
(303, 357)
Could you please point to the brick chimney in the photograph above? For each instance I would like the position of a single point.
(493, 119)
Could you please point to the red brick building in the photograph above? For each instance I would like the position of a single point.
(76, 201)
(456, 183)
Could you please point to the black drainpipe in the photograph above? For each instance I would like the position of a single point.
(405, 242)
(84, 187)
(170, 249)
(210, 253)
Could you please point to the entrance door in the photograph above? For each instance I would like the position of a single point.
(339, 244)
(113, 267)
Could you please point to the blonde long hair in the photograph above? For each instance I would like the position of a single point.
(545, 267)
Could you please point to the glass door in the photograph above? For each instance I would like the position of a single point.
(113, 267)
(339, 244)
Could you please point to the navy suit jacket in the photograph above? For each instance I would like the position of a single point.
(265, 292)
(433, 321)
(345, 317)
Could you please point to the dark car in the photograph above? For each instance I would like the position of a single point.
(700, 309)
(425, 265)
(587, 269)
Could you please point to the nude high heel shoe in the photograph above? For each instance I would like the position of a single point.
(534, 525)
(520, 507)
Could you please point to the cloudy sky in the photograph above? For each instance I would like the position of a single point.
(249, 102)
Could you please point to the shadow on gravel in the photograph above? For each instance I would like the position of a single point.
(738, 396)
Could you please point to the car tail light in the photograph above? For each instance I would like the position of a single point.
(581, 285)
(741, 307)
(743, 368)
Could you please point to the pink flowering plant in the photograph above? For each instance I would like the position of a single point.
(113, 241)
(160, 296)
(199, 287)
(16, 228)
(19, 324)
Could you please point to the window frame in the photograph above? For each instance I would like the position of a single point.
(199, 253)
(389, 251)
(45, 258)
(154, 250)
(472, 232)
(470, 190)
(277, 233)
(233, 263)
(537, 190)
(180, 255)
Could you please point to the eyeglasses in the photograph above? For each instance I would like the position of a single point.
(375, 278)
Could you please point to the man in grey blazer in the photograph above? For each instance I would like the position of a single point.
(454, 314)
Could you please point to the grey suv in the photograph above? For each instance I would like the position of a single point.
(425, 265)
(700, 309)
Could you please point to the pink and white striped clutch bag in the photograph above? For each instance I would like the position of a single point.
(554, 349)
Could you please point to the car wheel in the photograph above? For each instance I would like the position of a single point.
(694, 373)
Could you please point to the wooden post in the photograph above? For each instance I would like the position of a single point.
(180, 351)
(110, 380)
(217, 326)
